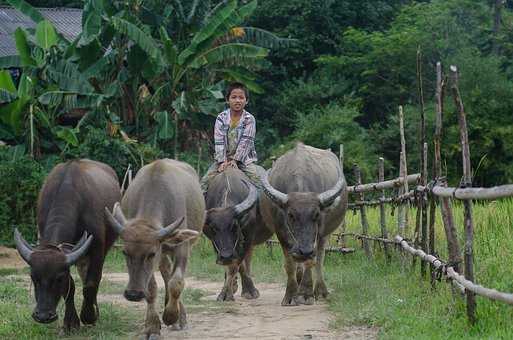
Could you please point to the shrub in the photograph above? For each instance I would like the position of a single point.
(21, 177)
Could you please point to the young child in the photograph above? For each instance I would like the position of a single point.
(234, 138)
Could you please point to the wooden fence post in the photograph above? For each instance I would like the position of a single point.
(365, 223)
(447, 217)
(401, 213)
(404, 211)
(466, 182)
(382, 215)
(342, 238)
(423, 204)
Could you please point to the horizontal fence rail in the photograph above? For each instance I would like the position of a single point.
(390, 184)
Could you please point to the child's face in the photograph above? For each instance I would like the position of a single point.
(237, 100)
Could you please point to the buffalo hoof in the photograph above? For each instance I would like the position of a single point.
(305, 300)
(171, 314)
(251, 294)
(69, 329)
(289, 301)
(89, 314)
(224, 296)
(320, 291)
(235, 286)
(70, 325)
(179, 327)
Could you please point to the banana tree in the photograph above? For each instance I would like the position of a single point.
(50, 85)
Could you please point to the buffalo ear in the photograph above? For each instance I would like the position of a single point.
(180, 236)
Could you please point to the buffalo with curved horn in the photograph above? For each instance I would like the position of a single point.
(161, 214)
(72, 230)
(234, 227)
(305, 201)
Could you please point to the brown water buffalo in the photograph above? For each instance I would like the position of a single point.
(162, 210)
(234, 226)
(71, 204)
(305, 200)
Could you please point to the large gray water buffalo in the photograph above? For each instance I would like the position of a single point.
(70, 205)
(234, 226)
(305, 201)
(161, 212)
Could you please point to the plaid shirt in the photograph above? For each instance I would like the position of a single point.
(245, 137)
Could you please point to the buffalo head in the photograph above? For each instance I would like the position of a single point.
(302, 216)
(142, 247)
(49, 271)
(223, 226)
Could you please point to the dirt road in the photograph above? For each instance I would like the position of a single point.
(263, 318)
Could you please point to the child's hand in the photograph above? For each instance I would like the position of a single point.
(222, 166)
(233, 164)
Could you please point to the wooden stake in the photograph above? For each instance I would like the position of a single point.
(423, 204)
(404, 173)
(365, 223)
(382, 215)
(466, 182)
(342, 227)
(453, 248)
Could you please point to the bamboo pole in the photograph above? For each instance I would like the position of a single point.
(404, 173)
(423, 203)
(466, 182)
(474, 193)
(453, 248)
(401, 216)
(365, 224)
(342, 227)
(382, 214)
(390, 184)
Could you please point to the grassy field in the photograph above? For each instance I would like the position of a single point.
(364, 292)
(404, 306)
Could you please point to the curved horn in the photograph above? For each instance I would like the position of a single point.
(80, 242)
(277, 196)
(116, 219)
(73, 257)
(22, 246)
(164, 232)
(249, 202)
(327, 197)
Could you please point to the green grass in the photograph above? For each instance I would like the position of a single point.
(16, 304)
(403, 305)
(364, 292)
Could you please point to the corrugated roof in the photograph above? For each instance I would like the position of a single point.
(67, 21)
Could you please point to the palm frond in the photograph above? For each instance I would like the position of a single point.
(7, 97)
(25, 8)
(227, 52)
(138, 36)
(10, 62)
(68, 78)
(260, 37)
(20, 37)
(218, 20)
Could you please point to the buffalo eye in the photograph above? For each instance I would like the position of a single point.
(291, 216)
(316, 216)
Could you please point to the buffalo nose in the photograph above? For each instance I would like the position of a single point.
(44, 317)
(134, 295)
(306, 254)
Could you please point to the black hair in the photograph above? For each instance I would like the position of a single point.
(234, 86)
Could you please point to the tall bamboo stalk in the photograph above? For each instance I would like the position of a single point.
(382, 215)
(453, 248)
(466, 182)
(363, 215)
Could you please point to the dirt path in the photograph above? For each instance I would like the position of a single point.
(263, 318)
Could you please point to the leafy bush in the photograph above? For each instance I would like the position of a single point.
(21, 177)
(328, 127)
(99, 146)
